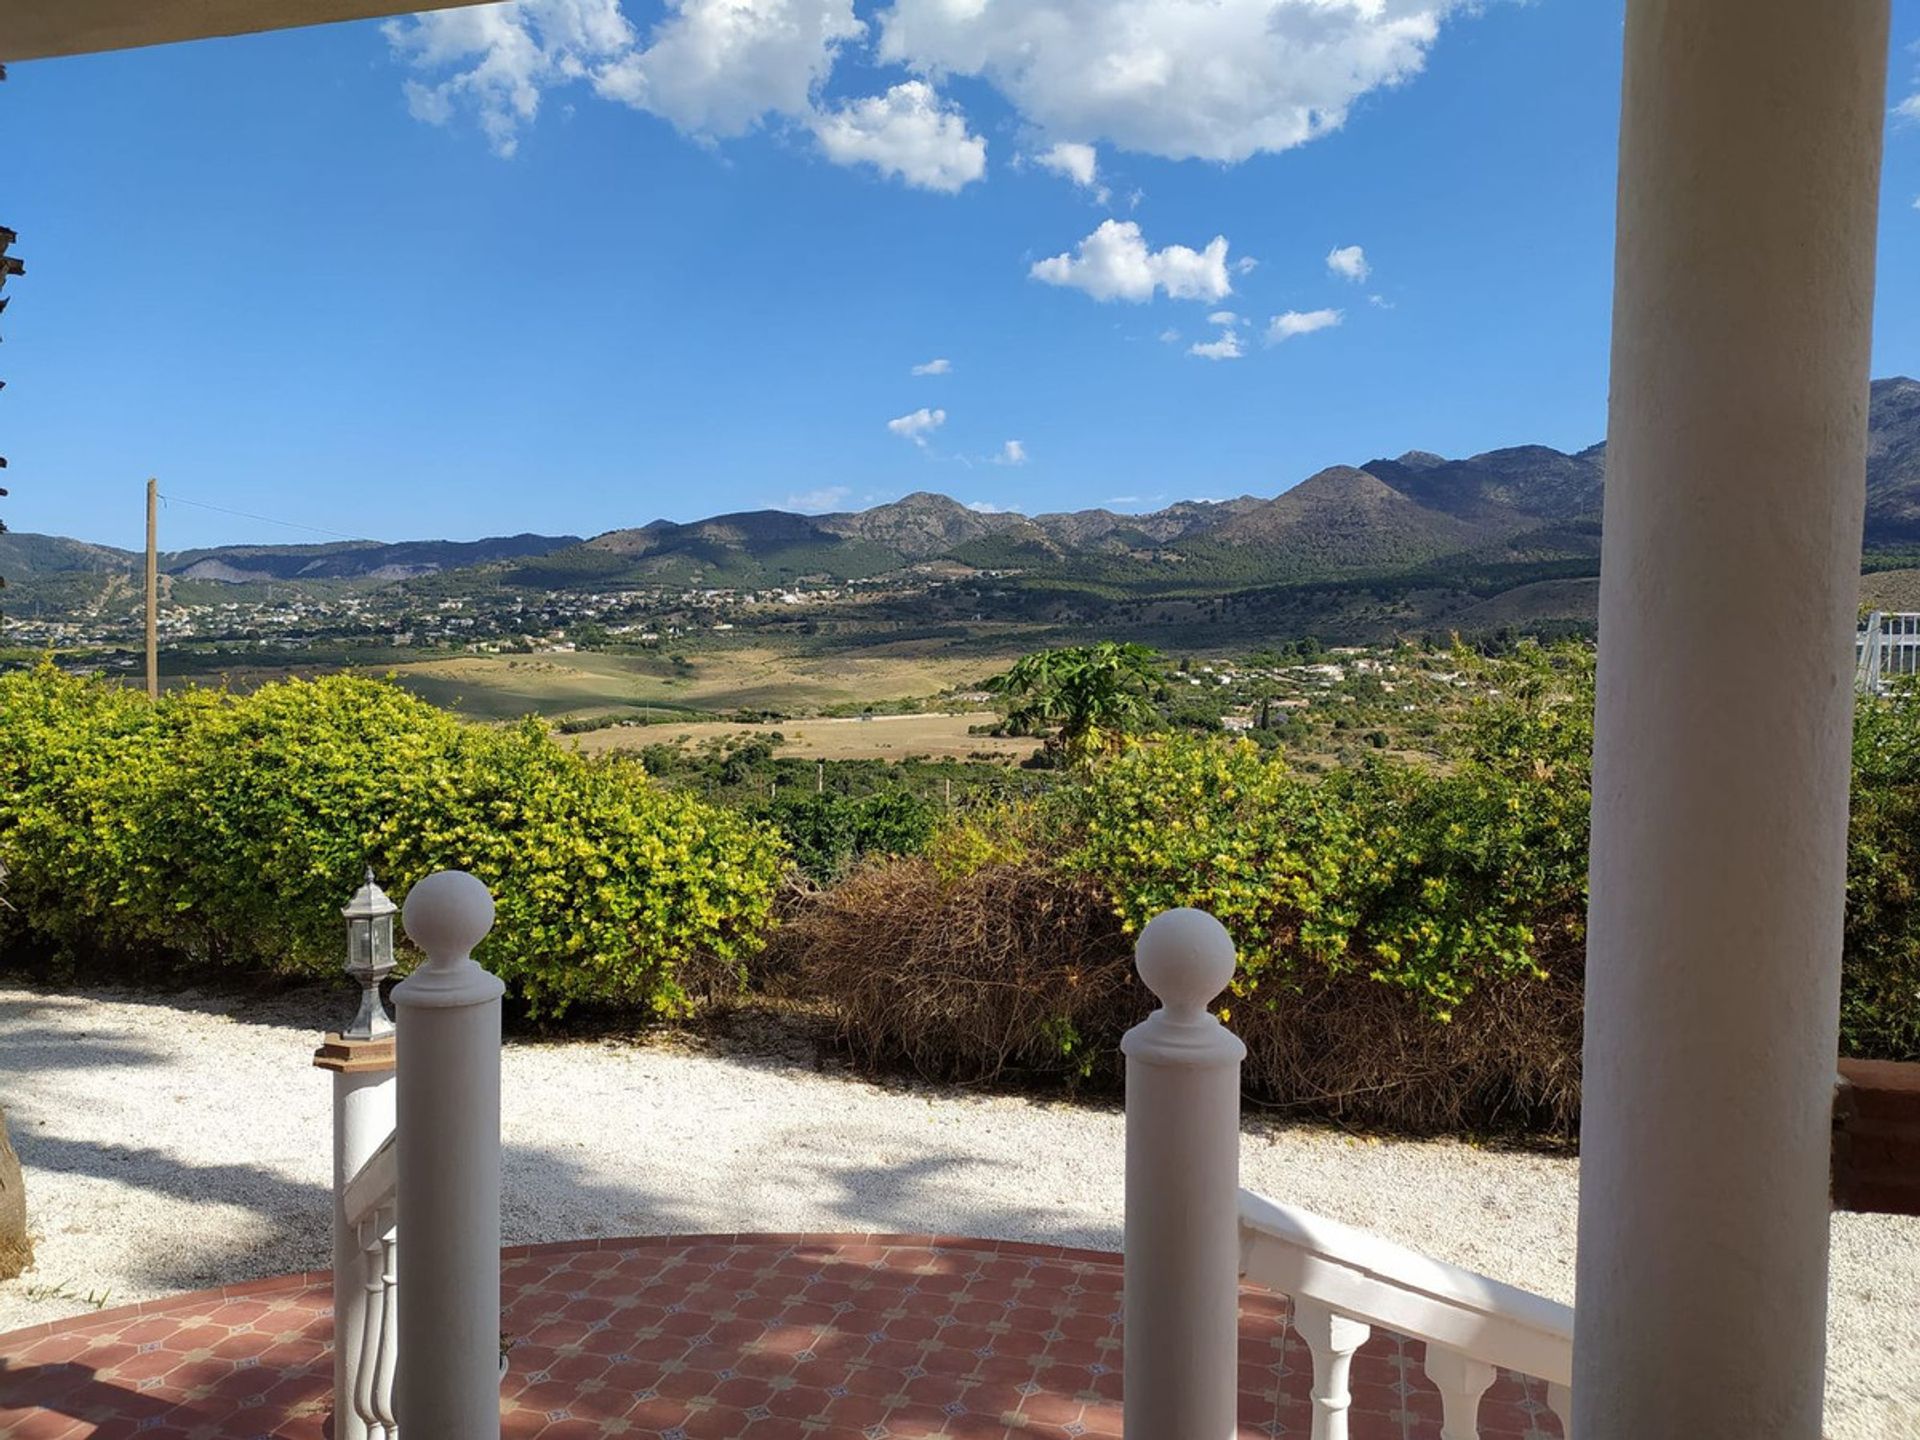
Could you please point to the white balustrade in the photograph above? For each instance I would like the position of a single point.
(1343, 1280)
(361, 1061)
(379, 1338)
(1192, 1233)
(370, 1203)
(1332, 1339)
(1182, 1290)
(447, 1386)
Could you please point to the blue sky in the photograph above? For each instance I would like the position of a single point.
(581, 263)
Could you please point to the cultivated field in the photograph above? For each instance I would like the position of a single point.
(587, 683)
(884, 737)
(501, 687)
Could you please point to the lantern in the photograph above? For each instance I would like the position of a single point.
(369, 916)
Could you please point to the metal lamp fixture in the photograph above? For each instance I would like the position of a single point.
(369, 916)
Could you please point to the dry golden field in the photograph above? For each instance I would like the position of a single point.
(885, 737)
(747, 677)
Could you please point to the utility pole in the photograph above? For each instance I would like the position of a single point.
(153, 589)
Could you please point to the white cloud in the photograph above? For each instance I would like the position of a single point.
(909, 132)
(1299, 322)
(1223, 317)
(1079, 163)
(711, 68)
(1011, 453)
(939, 365)
(1380, 302)
(1909, 108)
(503, 57)
(989, 507)
(714, 68)
(917, 425)
(1114, 263)
(1226, 346)
(1349, 262)
(1219, 81)
(827, 497)
(1245, 265)
(1169, 336)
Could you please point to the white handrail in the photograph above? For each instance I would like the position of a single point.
(373, 1185)
(1373, 1279)
(1343, 1280)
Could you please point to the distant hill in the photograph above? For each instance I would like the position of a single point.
(1500, 535)
(23, 556)
(1893, 464)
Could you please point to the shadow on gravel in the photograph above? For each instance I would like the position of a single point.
(549, 1196)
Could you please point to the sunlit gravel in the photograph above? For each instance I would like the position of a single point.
(181, 1140)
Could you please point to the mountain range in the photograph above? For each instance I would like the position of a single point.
(1508, 517)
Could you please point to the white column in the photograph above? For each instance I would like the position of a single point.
(447, 1385)
(1182, 1285)
(1749, 165)
(363, 1111)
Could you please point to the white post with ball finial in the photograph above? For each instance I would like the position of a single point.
(1182, 1278)
(447, 1386)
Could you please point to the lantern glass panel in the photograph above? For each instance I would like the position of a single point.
(360, 944)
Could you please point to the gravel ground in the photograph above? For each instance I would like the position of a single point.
(177, 1141)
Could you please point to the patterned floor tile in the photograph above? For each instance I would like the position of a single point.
(719, 1338)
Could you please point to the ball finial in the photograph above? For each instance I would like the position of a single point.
(447, 914)
(1186, 958)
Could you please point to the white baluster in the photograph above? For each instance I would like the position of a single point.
(1331, 1339)
(361, 1060)
(1182, 1290)
(1560, 1401)
(448, 1383)
(389, 1321)
(1461, 1381)
(372, 1305)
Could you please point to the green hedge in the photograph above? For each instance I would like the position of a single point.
(1880, 977)
(1441, 881)
(214, 827)
(1432, 881)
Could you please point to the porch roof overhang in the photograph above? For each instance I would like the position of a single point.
(37, 29)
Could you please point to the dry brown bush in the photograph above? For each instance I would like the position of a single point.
(1021, 970)
(1351, 1049)
(964, 979)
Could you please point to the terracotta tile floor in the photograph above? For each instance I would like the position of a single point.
(829, 1337)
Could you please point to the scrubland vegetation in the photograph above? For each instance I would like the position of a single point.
(1397, 840)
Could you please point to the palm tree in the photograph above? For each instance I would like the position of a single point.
(1095, 698)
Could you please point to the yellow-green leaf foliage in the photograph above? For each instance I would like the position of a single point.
(1880, 991)
(1432, 880)
(230, 829)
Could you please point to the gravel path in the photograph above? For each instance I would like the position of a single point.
(179, 1141)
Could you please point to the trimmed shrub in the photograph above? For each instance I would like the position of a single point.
(79, 762)
(826, 833)
(216, 828)
(1431, 882)
(1880, 989)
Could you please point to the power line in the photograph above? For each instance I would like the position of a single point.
(269, 520)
